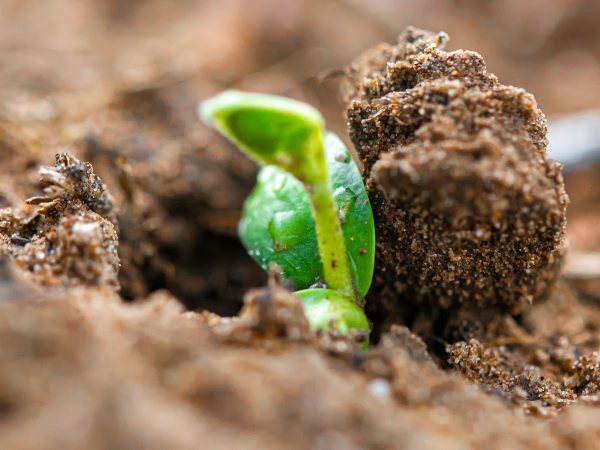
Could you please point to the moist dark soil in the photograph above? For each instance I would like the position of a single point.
(130, 315)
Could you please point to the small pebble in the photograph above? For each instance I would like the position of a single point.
(380, 387)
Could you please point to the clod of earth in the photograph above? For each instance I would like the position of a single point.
(71, 240)
(468, 207)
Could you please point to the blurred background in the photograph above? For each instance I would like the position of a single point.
(56, 48)
(117, 82)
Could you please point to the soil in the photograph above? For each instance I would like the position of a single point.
(469, 209)
(130, 315)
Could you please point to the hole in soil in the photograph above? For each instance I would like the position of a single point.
(6, 407)
(212, 273)
(215, 274)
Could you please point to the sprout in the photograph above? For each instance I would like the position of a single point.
(309, 212)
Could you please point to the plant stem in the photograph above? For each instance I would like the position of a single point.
(336, 270)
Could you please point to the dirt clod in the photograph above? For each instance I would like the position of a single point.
(71, 239)
(468, 207)
(271, 312)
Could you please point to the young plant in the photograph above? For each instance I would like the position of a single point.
(309, 212)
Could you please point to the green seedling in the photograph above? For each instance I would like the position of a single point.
(309, 212)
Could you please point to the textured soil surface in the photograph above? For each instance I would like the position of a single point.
(469, 207)
(130, 315)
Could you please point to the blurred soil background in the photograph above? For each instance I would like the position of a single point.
(116, 83)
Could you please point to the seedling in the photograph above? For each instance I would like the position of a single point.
(309, 212)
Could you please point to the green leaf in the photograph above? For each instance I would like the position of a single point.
(325, 308)
(273, 130)
(277, 224)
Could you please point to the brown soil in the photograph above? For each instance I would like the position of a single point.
(144, 358)
(169, 170)
(468, 207)
(71, 239)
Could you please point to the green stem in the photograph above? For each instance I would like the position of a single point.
(332, 248)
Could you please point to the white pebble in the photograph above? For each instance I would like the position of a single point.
(380, 387)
